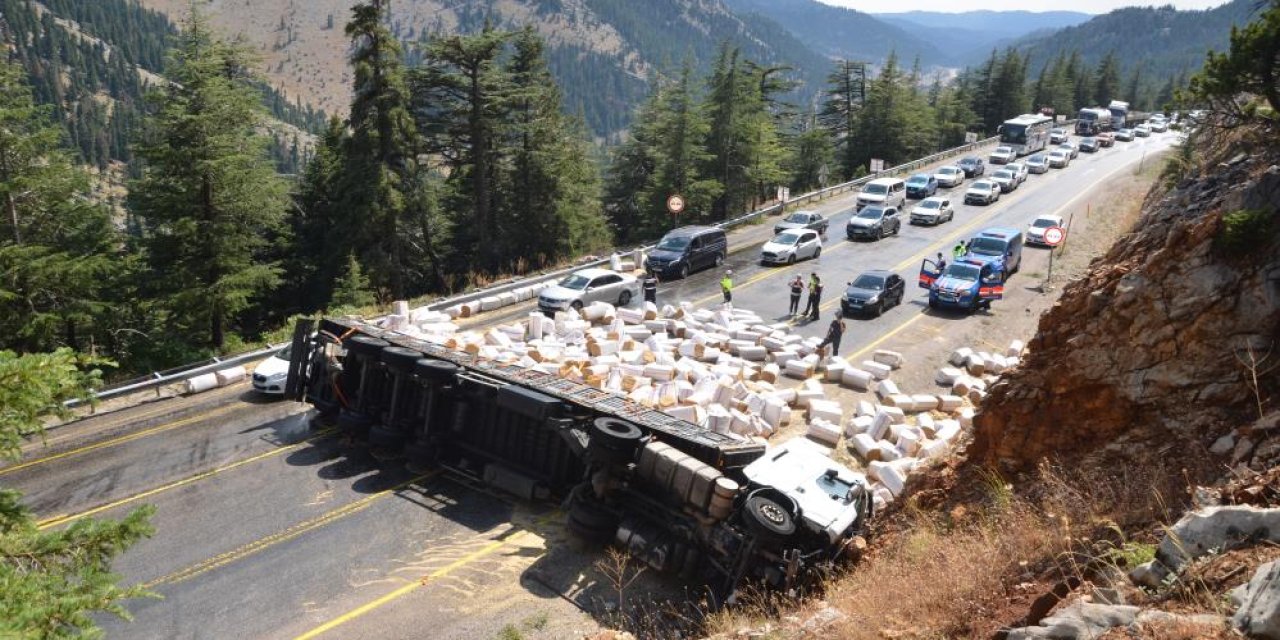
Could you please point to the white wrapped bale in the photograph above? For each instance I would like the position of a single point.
(881, 497)
(230, 375)
(950, 403)
(835, 369)
(947, 430)
(960, 357)
(824, 431)
(925, 402)
(615, 262)
(909, 442)
(901, 401)
(858, 425)
(754, 353)
(947, 376)
(866, 408)
(891, 358)
(877, 370)
(203, 382)
(864, 444)
(889, 476)
(454, 311)
(887, 388)
(886, 451)
(810, 390)
(650, 310)
(489, 303)
(1014, 350)
(799, 369)
(783, 357)
(856, 378)
(976, 396)
(926, 424)
(719, 419)
(769, 372)
(826, 410)
(966, 417)
(934, 448)
(879, 425)
(976, 365)
(896, 415)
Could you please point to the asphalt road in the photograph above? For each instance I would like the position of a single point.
(266, 528)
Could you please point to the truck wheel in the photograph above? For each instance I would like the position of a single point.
(591, 522)
(385, 437)
(616, 434)
(767, 518)
(367, 346)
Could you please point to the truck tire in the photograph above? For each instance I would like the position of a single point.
(433, 370)
(384, 437)
(400, 358)
(615, 434)
(367, 346)
(356, 425)
(591, 521)
(767, 518)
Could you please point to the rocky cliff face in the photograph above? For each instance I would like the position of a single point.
(1152, 338)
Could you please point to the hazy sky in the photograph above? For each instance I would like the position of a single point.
(1087, 6)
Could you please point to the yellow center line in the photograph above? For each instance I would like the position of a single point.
(121, 440)
(63, 519)
(290, 533)
(510, 538)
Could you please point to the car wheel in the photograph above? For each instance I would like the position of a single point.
(719, 259)
(897, 228)
(880, 234)
(817, 253)
(576, 304)
(879, 311)
(791, 259)
(684, 271)
(624, 298)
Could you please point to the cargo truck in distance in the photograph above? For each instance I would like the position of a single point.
(712, 507)
(1123, 118)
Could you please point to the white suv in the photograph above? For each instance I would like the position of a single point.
(890, 192)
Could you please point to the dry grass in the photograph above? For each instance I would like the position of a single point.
(970, 569)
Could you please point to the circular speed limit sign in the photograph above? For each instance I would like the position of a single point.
(1054, 236)
(675, 204)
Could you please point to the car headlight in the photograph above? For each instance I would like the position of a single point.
(873, 299)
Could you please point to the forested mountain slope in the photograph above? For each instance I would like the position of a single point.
(844, 33)
(91, 63)
(602, 52)
(1156, 41)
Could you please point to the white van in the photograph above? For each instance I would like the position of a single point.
(891, 192)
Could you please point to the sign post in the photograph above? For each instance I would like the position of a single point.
(877, 165)
(1053, 236)
(675, 204)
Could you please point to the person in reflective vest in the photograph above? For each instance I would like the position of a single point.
(726, 286)
(815, 296)
(650, 288)
(958, 251)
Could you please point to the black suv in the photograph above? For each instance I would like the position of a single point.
(973, 166)
(687, 249)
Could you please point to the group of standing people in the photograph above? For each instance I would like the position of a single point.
(815, 296)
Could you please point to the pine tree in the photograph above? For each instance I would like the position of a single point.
(60, 255)
(351, 291)
(319, 224)
(683, 127)
(54, 580)
(381, 167)
(1107, 86)
(845, 95)
(209, 194)
(459, 95)
(812, 159)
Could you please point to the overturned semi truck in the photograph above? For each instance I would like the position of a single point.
(705, 505)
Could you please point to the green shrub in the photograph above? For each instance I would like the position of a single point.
(1245, 230)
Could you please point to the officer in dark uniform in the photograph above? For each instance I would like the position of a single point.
(651, 288)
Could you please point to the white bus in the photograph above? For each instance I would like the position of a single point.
(1027, 133)
(1091, 122)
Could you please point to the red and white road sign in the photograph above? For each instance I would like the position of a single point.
(1053, 236)
(675, 204)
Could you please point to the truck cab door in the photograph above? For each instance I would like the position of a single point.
(930, 271)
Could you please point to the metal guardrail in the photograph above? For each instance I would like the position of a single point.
(178, 374)
(724, 224)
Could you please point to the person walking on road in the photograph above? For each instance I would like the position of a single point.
(797, 288)
(726, 286)
(959, 250)
(650, 288)
(834, 333)
(815, 296)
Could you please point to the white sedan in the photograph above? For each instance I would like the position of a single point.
(587, 286)
(1035, 232)
(1002, 155)
(269, 375)
(791, 245)
(933, 210)
(1059, 159)
(949, 176)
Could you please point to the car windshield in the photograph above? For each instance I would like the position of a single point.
(1057, 154)
(962, 271)
(981, 186)
(1044, 223)
(1008, 175)
(1036, 159)
(284, 354)
(576, 281)
(787, 238)
(968, 161)
(918, 180)
(875, 189)
(1004, 149)
(802, 218)
(948, 170)
(987, 247)
(930, 204)
(868, 281)
(1015, 166)
(871, 213)
(673, 244)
